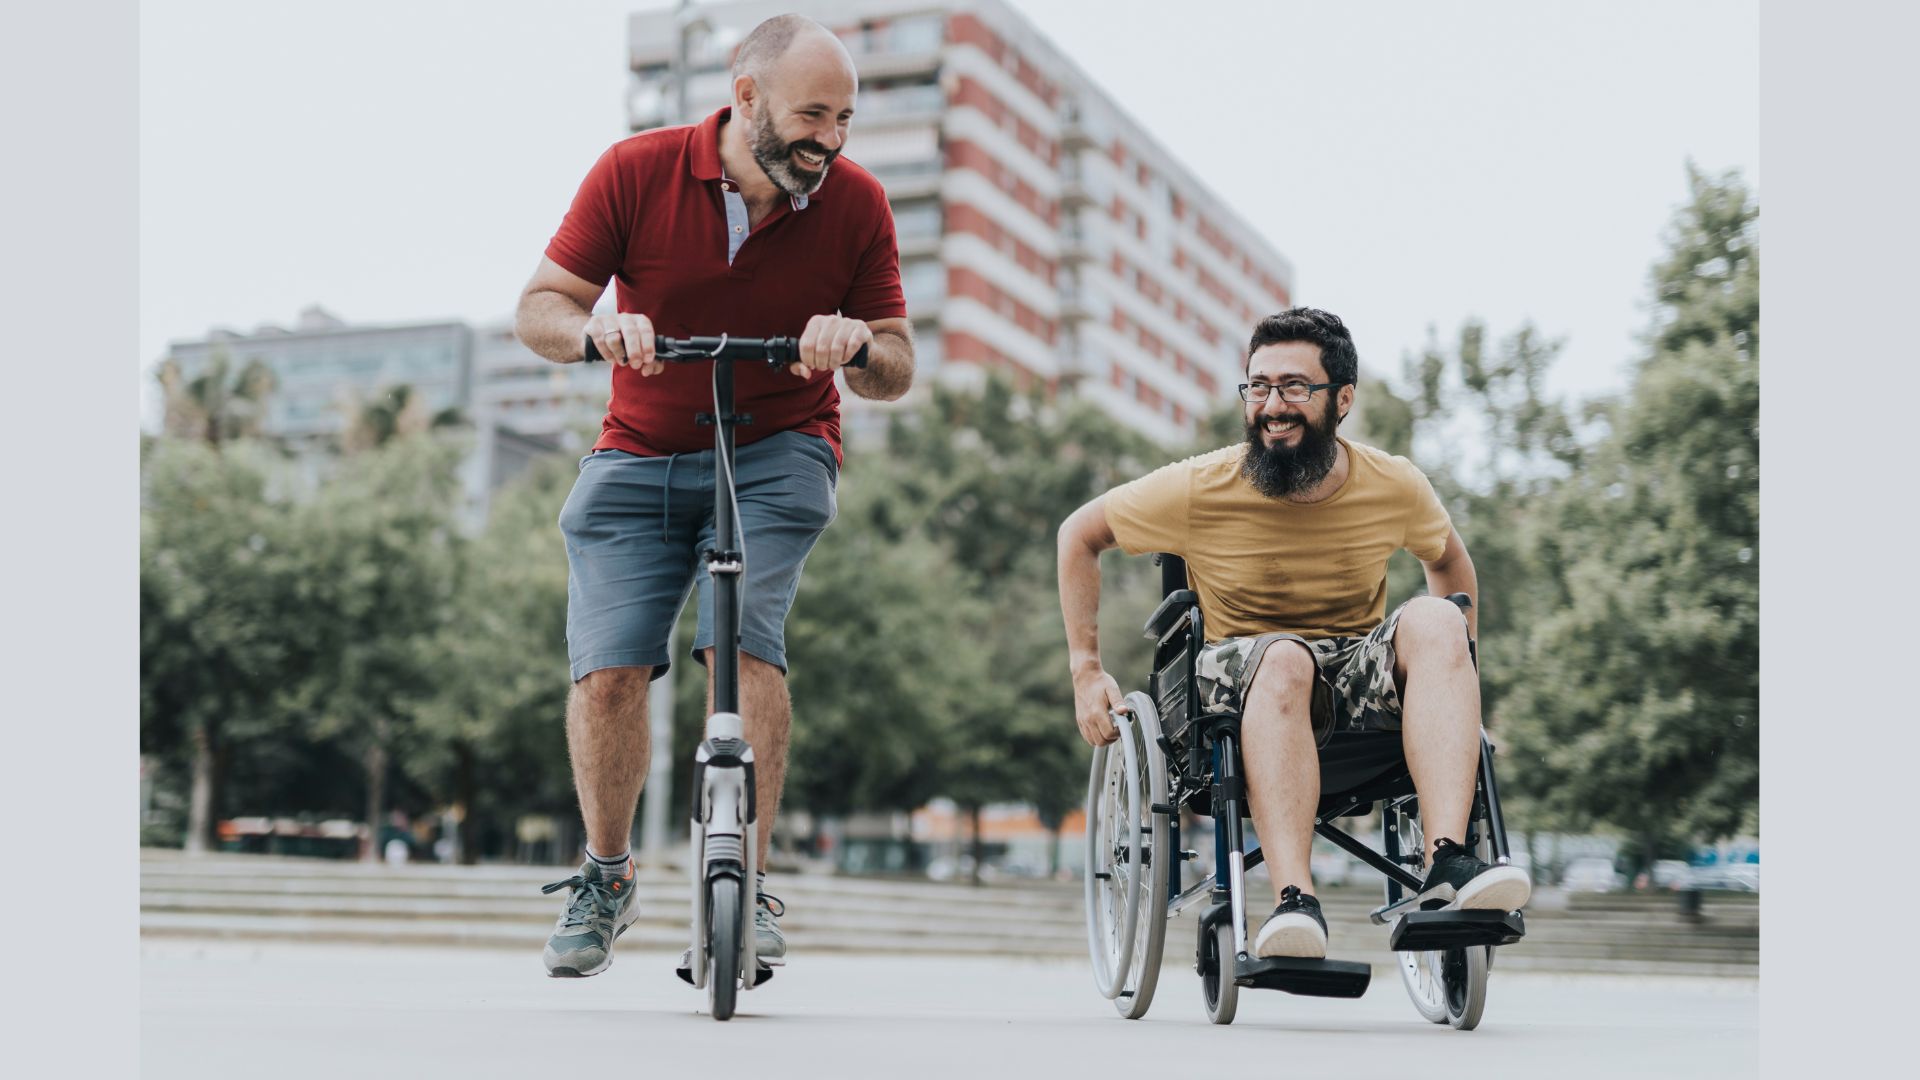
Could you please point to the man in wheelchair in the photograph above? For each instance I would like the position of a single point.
(1286, 539)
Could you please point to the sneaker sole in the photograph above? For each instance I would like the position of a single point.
(1301, 942)
(1503, 888)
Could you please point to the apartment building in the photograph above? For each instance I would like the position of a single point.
(517, 405)
(1043, 232)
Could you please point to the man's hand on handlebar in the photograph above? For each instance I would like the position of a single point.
(625, 339)
(1095, 694)
(828, 342)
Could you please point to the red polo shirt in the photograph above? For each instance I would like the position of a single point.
(650, 216)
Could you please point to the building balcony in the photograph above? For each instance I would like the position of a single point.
(1081, 242)
(1076, 134)
(903, 186)
(919, 246)
(896, 65)
(1076, 306)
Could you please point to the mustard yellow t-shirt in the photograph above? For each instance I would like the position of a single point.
(1263, 565)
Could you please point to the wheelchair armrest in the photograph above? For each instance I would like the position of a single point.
(1169, 612)
(1462, 599)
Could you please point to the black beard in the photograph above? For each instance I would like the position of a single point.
(1280, 470)
(775, 158)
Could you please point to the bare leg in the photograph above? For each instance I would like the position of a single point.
(1282, 765)
(1440, 725)
(766, 713)
(607, 740)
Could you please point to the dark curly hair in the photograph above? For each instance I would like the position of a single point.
(1322, 328)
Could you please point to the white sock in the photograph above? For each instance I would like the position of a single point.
(614, 867)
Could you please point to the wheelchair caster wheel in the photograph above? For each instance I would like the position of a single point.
(1216, 974)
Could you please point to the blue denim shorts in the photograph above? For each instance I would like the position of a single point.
(637, 529)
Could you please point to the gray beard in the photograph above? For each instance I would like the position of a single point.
(1282, 471)
(775, 158)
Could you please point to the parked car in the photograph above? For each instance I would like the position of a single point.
(1592, 874)
(1730, 877)
(1672, 874)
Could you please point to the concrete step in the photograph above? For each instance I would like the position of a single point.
(643, 938)
(256, 897)
(839, 913)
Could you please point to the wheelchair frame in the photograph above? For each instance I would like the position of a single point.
(1193, 763)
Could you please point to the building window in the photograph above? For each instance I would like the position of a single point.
(917, 220)
(918, 33)
(924, 281)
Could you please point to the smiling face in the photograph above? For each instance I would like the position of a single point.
(1291, 445)
(799, 113)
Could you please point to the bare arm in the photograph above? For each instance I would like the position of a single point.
(889, 371)
(1453, 572)
(556, 315)
(1082, 537)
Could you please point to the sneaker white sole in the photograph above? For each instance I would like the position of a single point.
(1502, 888)
(1291, 935)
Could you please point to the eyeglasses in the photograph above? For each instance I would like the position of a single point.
(1295, 392)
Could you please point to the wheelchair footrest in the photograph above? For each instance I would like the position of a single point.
(1299, 975)
(1428, 931)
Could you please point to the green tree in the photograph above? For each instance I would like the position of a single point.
(381, 553)
(218, 572)
(1636, 700)
(884, 650)
(1479, 423)
(988, 477)
(492, 732)
(397, 412)
(218, 405)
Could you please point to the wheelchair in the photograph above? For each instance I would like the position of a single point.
(1171, 757)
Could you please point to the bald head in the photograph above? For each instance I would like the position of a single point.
(789, 44)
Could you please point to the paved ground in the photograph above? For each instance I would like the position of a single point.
(214, 1010)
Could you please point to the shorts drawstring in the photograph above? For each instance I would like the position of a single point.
(666, 501)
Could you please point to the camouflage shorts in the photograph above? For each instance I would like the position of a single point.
(1354, 690)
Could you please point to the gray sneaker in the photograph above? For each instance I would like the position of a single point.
(769, 944)
(598, 911)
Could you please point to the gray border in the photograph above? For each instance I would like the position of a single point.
(1839, 226)
(69, 78)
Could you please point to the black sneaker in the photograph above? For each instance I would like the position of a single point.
(599, 910)
(1457, 880)
(1296, 928)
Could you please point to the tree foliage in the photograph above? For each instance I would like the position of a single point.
(334, 645)
(1637, 695)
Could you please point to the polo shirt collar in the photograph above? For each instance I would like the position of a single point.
(703, 157)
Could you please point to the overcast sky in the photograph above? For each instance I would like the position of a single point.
(1419, 163)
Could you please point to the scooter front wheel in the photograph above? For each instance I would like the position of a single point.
(723, 937)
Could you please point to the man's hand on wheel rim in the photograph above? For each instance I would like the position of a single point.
(828, 342)
(1093, 699)
(625, 339)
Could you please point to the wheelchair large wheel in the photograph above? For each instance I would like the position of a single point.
(1447, 986)
(1128, 853)
(1216, 973)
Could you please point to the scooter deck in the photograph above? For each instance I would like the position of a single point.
(686, 974)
